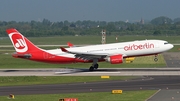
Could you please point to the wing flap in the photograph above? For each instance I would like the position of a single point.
(85, 56)
(89, 56)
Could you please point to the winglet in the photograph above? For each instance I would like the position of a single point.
(70, 44)
(63, 49)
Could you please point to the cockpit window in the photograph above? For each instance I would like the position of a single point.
(166, 43)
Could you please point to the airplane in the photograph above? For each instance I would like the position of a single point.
(113, 52)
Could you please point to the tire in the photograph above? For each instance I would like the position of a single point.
(91, 68)
(155, 59)
(96, 66)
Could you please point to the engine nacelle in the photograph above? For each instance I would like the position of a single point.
(115, 59)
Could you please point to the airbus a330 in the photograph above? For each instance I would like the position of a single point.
(113, 53)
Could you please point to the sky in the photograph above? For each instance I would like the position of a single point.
(94, 10)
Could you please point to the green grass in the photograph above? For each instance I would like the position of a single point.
(32, 80)
(141, 95)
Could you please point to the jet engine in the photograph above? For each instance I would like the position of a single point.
(115, 59)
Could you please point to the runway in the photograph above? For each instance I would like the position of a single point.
(86, 72)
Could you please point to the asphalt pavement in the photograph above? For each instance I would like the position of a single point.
(166, 95)
(172, 59)
(142, 83)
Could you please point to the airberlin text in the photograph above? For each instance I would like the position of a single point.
(139, 46)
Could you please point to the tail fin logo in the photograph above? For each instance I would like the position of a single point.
(18, 42)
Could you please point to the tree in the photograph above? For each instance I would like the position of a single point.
(65, 28)
(161, 20)
(176, 20)
(111, 27)
(66, 23)
(46, 22)
(157, 32)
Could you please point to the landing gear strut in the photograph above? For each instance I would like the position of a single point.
(155, 59)
(94, 65)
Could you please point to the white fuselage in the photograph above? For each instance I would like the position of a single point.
(127, 49)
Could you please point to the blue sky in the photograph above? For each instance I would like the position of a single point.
(94, 10)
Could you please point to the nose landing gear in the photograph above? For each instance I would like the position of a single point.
(156, 59)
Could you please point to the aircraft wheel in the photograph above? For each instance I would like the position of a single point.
(155, 59)
(96, 66)
(91, 68)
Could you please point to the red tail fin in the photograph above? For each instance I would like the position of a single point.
(21, 43)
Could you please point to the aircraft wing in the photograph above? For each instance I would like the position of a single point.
(86, 56)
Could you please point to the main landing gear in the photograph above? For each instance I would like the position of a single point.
(94, 65)
(155, 59)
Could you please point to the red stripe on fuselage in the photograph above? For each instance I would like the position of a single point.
(65, 60)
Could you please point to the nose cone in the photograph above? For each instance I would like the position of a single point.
(171, 46)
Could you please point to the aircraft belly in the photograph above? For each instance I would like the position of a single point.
(139, 52)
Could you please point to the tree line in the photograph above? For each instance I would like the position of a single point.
(157, 26)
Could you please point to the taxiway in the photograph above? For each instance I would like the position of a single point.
(142, 83)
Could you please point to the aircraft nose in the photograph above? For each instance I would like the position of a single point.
(171, 46)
